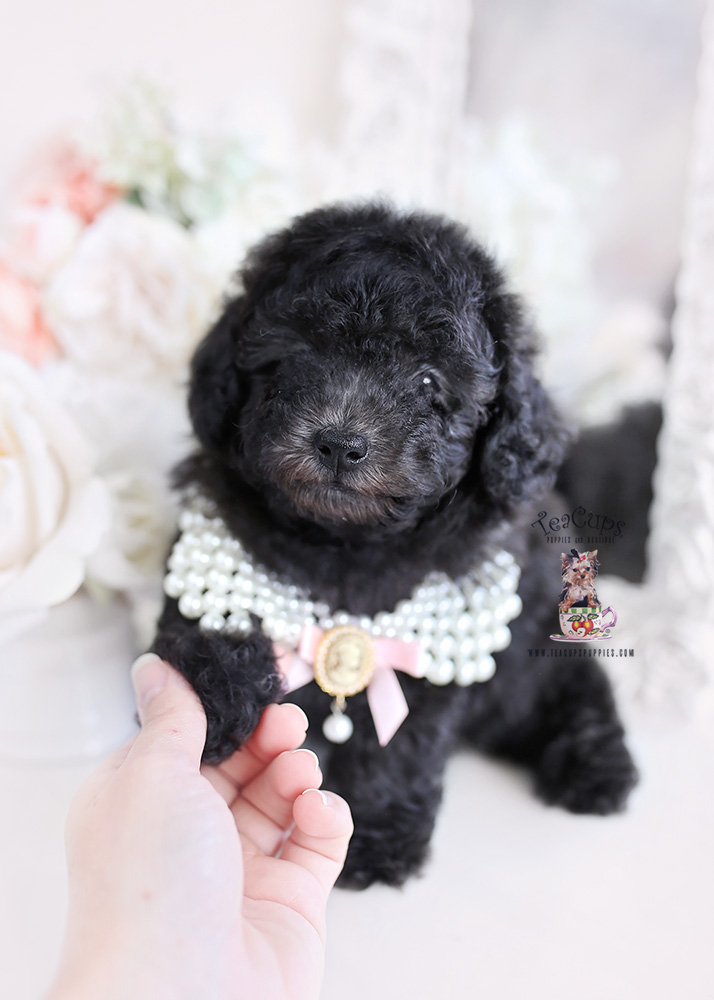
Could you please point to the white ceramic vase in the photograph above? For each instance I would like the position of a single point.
(65, 691)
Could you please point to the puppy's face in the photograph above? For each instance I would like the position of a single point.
(368, 426)
(579, 570)
(372, 360)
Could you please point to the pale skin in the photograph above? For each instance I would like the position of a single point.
(175, 890)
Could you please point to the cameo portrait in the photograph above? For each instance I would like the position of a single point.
(345, 660)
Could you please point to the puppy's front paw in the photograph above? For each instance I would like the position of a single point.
(589, 771)
(235, 679)
(380, 854)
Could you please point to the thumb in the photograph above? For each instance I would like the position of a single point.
(171, 715)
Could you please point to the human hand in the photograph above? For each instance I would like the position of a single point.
(175, 889)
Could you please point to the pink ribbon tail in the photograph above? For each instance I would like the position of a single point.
(387, 704)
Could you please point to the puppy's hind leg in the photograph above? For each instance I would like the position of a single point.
(573, 741)
(235, 677)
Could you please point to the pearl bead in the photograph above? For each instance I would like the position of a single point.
(218, 581)
(514, 605)
(212, 621)
(501, 638)
(215, 602)
(199, 559)
(485, 642)
(485, 668)
(467, 647)
(238, 623)
(209, 540)
(446, 646)
(173, 585)
(195, 580)
(294, 632)
(483, 620)
(178, 560)
(466, 673)
(337, 727)
(186, 520)
(441, 673)
(190, 605)
(225, 561)
(457, 624)
(464, 623)
(278, 629)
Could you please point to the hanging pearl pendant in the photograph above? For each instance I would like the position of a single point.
(337, 727)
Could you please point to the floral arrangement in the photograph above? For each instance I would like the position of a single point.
(119, 247)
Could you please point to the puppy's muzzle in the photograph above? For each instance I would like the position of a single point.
(339, 450)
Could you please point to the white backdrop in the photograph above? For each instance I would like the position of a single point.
(509, 878)
(274, 60)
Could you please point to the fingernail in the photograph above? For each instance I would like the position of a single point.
(313, 755)
(148, 674)
(305, 720)
(326, 798)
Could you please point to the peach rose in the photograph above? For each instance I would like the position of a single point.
(69, 178)
(22, 326)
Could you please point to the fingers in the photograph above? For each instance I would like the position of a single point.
(172, 717)
(319, 840)
(282, 727)
(264, 809)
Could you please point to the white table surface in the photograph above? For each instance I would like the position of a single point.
(518, 900)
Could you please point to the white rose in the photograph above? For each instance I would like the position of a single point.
(139, 431)
(134, 549)
(134, 298)
(53, 510)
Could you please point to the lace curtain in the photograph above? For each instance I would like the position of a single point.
(403, 84)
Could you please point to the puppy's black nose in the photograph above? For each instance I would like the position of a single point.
(340, 451)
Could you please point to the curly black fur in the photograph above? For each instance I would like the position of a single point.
(396, 331)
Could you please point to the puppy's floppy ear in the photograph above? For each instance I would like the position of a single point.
(523, 443)
(215, 390)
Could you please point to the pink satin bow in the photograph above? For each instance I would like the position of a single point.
(384, 693)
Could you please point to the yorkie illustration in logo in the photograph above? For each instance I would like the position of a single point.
(582, 616)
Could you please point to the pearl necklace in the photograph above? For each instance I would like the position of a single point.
(458, 624)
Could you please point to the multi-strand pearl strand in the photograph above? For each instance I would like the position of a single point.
(458, 624)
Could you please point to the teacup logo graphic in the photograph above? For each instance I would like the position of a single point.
(582, 616)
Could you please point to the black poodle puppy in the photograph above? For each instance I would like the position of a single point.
(369, 419)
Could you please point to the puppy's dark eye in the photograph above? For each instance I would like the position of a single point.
(428, 380)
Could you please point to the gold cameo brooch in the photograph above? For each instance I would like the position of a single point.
(345, 661)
